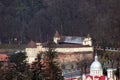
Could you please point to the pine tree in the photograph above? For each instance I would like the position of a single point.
(19, 70)
(55, 72)
(37, 68)
(45, 67)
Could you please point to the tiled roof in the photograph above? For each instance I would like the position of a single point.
(3, 57)
(31, 44)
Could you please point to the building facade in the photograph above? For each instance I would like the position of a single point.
(69, 49)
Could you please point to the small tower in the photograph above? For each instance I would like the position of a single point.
(110, 74)
(83, 77)
(87, 40)
(31, 51)
(56, 37)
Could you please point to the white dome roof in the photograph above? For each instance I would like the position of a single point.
(96, 65)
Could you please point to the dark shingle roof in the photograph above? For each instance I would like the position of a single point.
(31, 44)
(71, 45)
(66, 45)
(56, 34)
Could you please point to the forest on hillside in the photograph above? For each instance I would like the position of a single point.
(25, 20)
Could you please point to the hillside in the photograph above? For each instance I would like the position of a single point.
(25, 20)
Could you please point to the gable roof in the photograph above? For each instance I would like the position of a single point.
(31, 44)
(57, 34)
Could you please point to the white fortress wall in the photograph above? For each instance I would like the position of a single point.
(31, 51)
(82, 49)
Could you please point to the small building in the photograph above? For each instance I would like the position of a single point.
(3, 60)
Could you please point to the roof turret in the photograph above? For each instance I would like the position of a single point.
(57, 34)
(88, 35)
